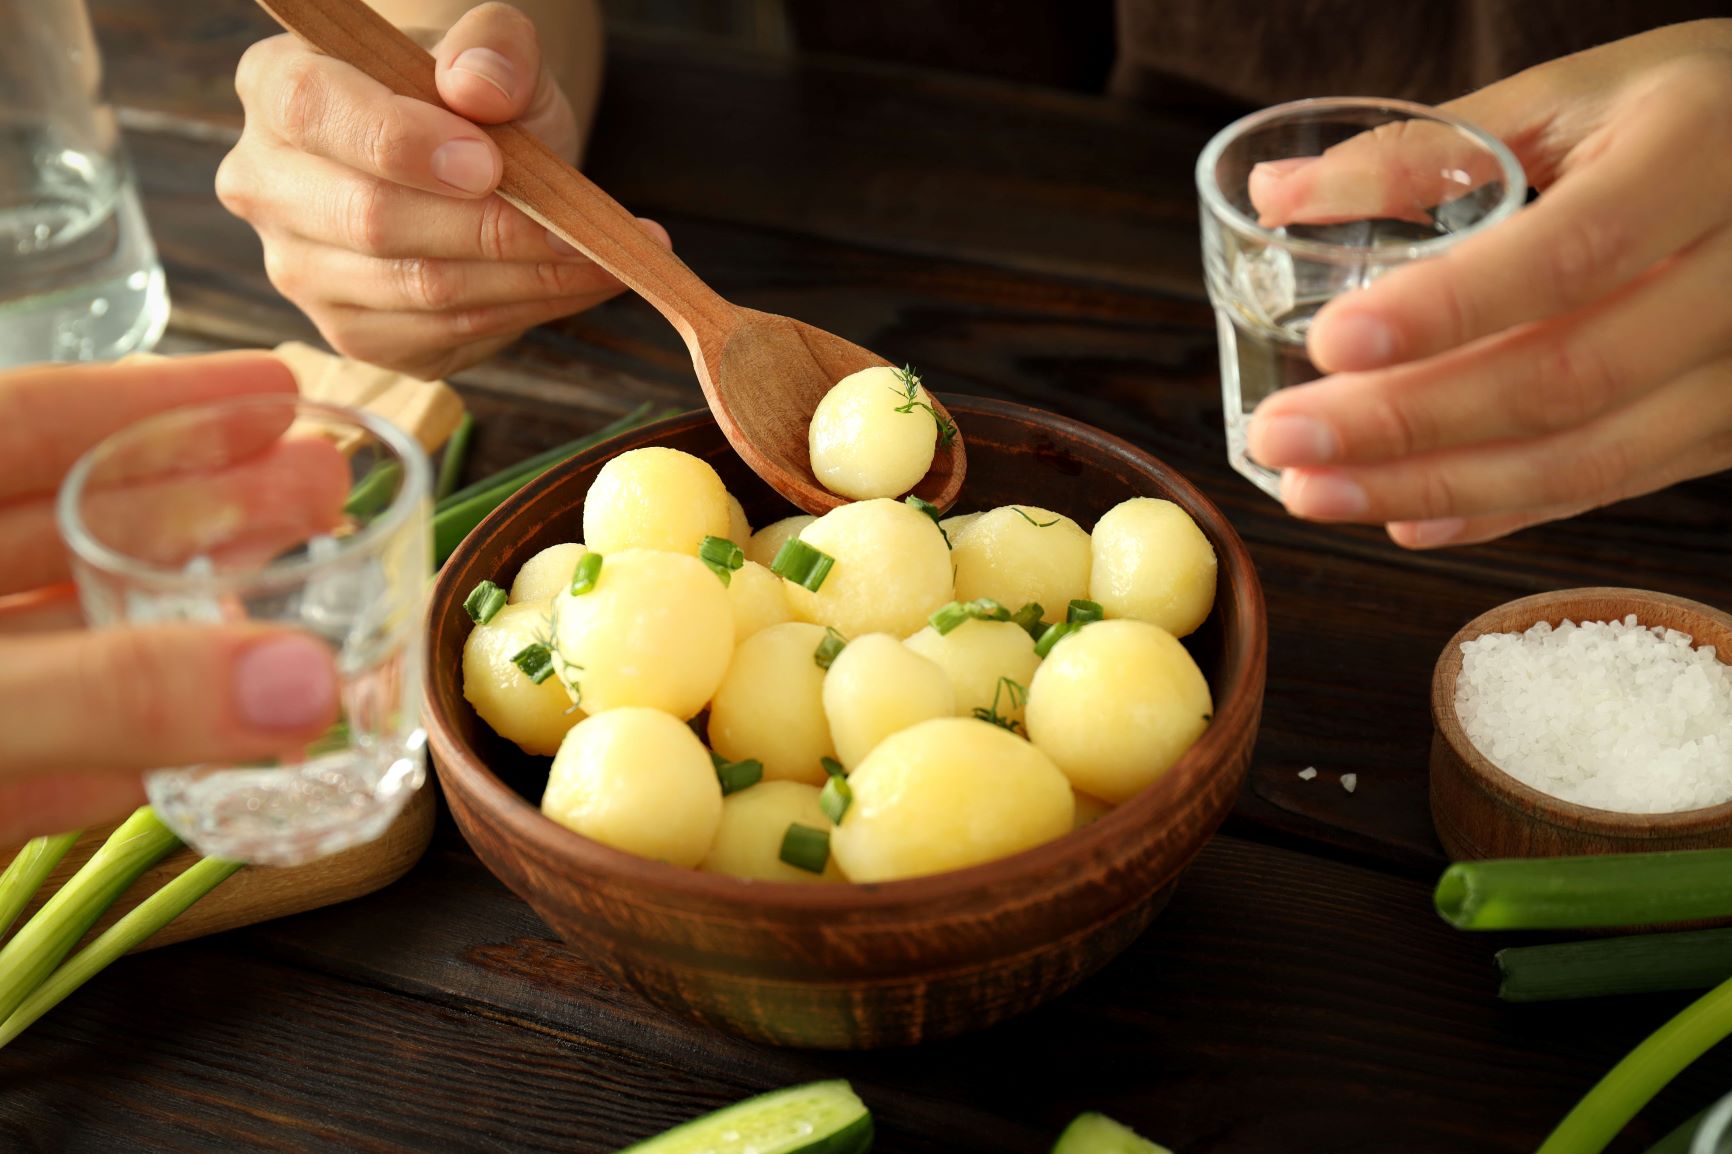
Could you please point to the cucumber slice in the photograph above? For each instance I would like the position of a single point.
(1098, 1134)
(816, 1118)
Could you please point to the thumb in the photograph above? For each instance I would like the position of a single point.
(132, 699)
(488, 66)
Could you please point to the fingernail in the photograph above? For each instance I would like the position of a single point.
(1323, 496)
(466, 165)
(1283, 442)
(559, 244)
(1356, 341)
(1427, 534)
(285, 683)
(486, 64)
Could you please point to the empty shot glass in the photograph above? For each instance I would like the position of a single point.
(1306, 201)
(275, 510)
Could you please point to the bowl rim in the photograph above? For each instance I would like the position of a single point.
(1534, 803)
(1244, 661)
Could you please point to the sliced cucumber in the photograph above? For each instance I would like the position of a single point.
(1098, 1134)
(817, 1118)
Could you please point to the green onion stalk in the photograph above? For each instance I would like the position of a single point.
(1632, 964)
(26, 873)
(1581, 892)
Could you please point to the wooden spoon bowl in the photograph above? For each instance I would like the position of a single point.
(1482, 812)
(856, 965)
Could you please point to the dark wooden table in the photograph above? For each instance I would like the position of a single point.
(1298, 995)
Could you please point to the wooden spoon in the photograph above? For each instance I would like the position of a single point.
(762, 374)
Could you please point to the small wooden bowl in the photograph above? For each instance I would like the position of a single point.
(1482, 812)
(854, 966)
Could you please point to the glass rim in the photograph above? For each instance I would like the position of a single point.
(1515, 180)
(417, 479)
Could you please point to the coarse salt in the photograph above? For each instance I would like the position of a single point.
(1350, 782)
(1308, 773)
(1614, 715)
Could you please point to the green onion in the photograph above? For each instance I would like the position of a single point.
(1633, 964)
(26, 873)
(374, 493)
(483, 602)
(832, 767)
(456, 453)
(535, 660)
(1083, 612)
(992, 716)
(30, 957)
(1678, 1141)
(806, 848)
(930, 510)
(798, 562)
(1053, 635)
(129, 932)
(722, 556)
(1020, 512)
(835, 799)
(1579, 892)
(736, 775)
(829, 648)
(1029, 617)
(950, 616)
(587, 573)
(1628, 1087)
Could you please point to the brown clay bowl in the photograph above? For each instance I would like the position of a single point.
(851, 966)
(1482, 812)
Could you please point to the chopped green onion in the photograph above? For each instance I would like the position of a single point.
(374, 493)
(1635, 889)
(910, 393)
(1029, 617)
(535, 660)
(835, 798)
(832, 767)
(130, 931)
(950, 616)
(1082, 612)
(1632, 964)
(806, 848)
(485, 600)
(1020, 512)
(40, 943)
(736, 775)
(722, 556)
(829, 648)
(587, 573)
(451, 462)
(992, 716)
(27, 871)
(1052, 636)
(930, 510)
(798, 562)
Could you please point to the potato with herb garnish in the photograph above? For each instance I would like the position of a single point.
(655, 498)
(656, 630)
(954, 527)
(534, 716)
(1022, 553)
(748, 843)
(947, 794)
(766, 542)
(874, 434)
(546, 574)
(1115, 704)
(976, 656)
(638, 780)
(878, 686)
(758, 600)
(889, 569)
(770, 706)
(1152, 563)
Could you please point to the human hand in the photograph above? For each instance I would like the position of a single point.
(1574, 355)
(83, 713)
(377, 211)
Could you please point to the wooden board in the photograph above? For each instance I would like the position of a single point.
(260, 893)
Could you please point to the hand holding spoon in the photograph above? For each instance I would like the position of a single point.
(762, 374)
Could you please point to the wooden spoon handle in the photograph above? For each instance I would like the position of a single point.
(535, 179)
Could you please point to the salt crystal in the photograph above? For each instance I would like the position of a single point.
(1308, 773)
(1614, 715)
(1350, 782)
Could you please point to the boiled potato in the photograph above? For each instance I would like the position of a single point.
(974, 656)
(657, 631)
(1089, 809)
(954, 527)
(946, 794)
(654, 498)
(547, 574)
(1115, 704)
(771, 706)
(638, 780)
(1022, 553)
(861, 445)
(878, 686)
(1151, 562)
(767, 541)
(892, 570)
(757, 599)
(739, 529)
(748, 843)
(534, 716)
